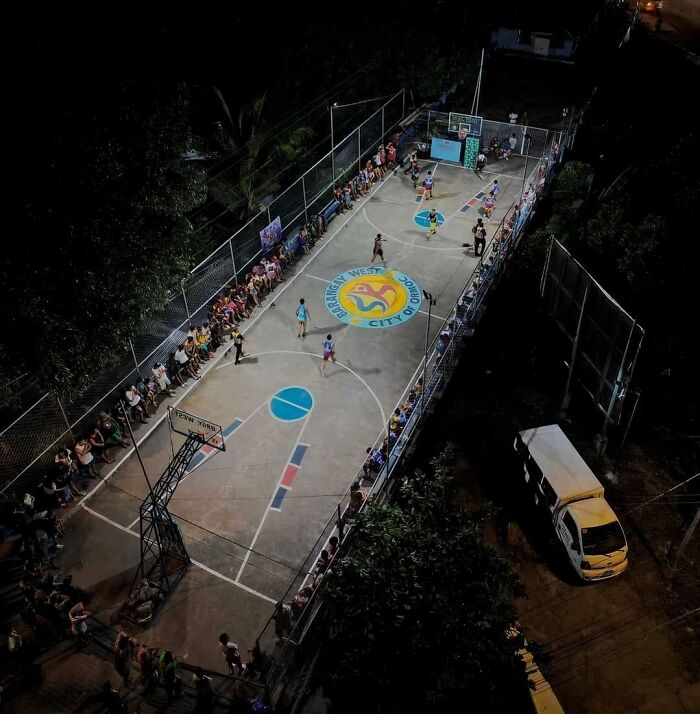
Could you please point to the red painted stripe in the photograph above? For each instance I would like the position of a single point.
(471, 201)
(288, 476)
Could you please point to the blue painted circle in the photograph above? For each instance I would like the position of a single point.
(421, 218)
(291, 404)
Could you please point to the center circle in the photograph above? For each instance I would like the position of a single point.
(373, 297)
(422, 218)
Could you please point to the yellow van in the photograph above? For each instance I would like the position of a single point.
(566, 488)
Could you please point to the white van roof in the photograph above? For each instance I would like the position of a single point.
(563, 466)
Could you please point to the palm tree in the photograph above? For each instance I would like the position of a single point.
(261, 154)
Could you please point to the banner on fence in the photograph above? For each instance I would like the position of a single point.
(445, 149)
(291, 245)
(271, 235)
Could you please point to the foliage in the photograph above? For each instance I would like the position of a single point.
(106, 193)
(261, 151)
(421, 598)
(572, 180)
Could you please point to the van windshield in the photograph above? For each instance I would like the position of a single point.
(602, 539)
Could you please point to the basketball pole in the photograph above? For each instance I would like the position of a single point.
(136, 449)
(477, 89)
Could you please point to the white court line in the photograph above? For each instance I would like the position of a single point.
(484, 171)
(187, 392)
(234, 582)
(206, 460)
(303, 354)
(458, 212)
(272, 498)
(315, 277)
(313, 354)
(422, 246)
(423, 199)
(433, 314)
(194, 562)
(286, 401)
(313, 257)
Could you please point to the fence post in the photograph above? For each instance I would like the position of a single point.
(269, 219)
(403, 102)
(340, 525)
(133, 354)
(427, 135)
(233, 260)
(65, 418)
(303, 190)
(382, 138)
(184, 297)
(359, 150)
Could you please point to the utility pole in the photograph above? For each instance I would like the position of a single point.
(574, 349)
(431, 301)
(686, 539)
(477, 89)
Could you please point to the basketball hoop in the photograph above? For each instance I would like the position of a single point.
(191, 425)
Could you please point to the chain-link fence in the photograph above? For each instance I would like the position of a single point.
(28, 444)
(441, 359)
(430, 123)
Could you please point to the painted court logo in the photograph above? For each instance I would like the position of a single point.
(373, 297)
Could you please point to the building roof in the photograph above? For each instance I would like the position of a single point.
(563, 466)
(593, 512)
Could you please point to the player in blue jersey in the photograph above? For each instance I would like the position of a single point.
(302, 318)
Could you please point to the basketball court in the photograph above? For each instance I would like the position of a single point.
(294, 440)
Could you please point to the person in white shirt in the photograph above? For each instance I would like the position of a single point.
(182, 359)
(160, 374)
(139, 410)
(513, 118)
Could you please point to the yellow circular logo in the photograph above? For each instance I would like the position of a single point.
(373, 297)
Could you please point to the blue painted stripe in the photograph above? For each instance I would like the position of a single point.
(464, 208)
(419, 199)
(232, 427)
(279, 497)
(480, 194)
(298, 454)
(196, 460)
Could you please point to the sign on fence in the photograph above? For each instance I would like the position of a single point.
(445, 149)
(471, 151)
(271, 235)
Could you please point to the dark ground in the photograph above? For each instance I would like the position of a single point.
(628, 644)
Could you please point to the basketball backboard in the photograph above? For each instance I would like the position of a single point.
(187, 424)
(457, 121)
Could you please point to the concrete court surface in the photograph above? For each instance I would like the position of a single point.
(246, 551)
